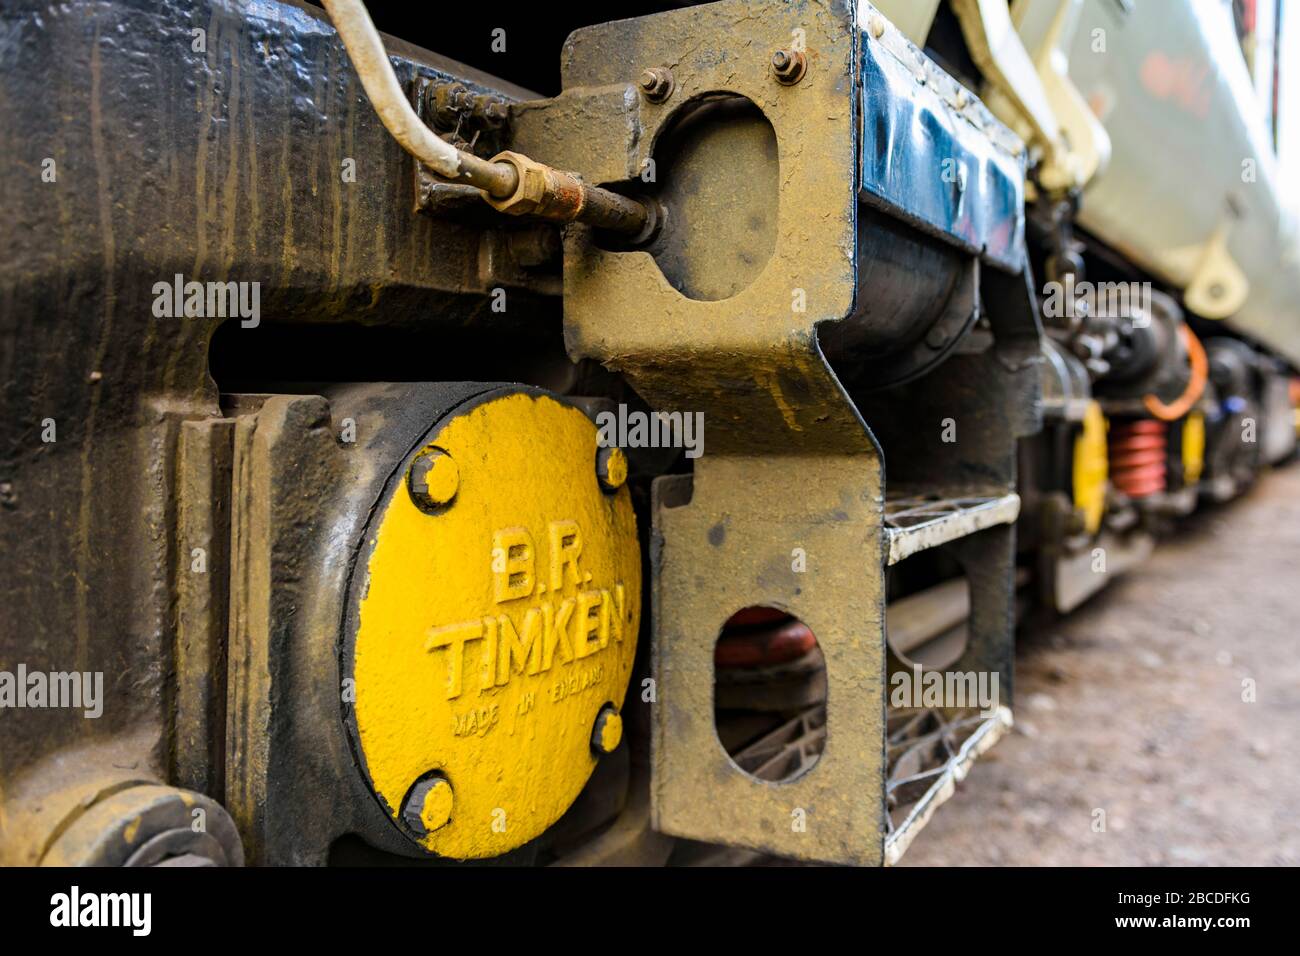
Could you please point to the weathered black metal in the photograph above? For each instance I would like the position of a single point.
(213, 141)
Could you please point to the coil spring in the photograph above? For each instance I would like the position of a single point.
(762, 637)
(1138, 450)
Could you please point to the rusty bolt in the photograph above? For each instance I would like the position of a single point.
(553, 194)
(611, 468)
(449, 101)
(607, 731)
(433, 479)
(428, 805)
(789, 66)
(491, 109)
(656, 83)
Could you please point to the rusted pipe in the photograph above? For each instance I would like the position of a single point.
(364, 46)
(549, 193)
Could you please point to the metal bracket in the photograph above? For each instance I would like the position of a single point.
(790, 463)
(790, 466)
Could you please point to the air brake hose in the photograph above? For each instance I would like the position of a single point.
(1195, 384)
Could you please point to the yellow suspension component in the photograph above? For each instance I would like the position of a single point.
(498, 626)
(1091, 468)
(1193, 448)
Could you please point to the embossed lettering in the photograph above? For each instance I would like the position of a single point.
(454, 637)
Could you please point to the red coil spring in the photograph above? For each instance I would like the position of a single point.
(762, 637)
(1138, 456)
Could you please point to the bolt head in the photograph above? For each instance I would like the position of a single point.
(656, 83)
(789, 66)
(607, 731)
(433, 479)
(611, 468)
(936, 338)
(492, 110)
(447, 101)
(531, 193)
(428, 805)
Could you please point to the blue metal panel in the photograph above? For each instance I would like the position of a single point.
(933, 155)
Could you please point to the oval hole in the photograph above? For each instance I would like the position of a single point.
(718, 181)
(769, 694)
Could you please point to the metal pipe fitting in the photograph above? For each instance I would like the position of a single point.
(562, 197)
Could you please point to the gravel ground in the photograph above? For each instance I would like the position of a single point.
(1134, 706)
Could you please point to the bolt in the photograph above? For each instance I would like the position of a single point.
(449, 101)
(607, 731)
(490, 109)
(428, 804)
(656, 83)
(611, 468)
(936, 338)
(432, 480)
(789, 66)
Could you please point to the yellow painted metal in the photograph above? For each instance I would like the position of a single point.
(913, 17)
(609, 731)
(1218, 287)
(492, 633)
(616, 468)
(1014, 90)
(1193, 447)
(1084, 138)
(1091, 468)
(443, 478)
(435, 812)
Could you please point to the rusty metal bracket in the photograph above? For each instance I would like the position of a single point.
(790, 464)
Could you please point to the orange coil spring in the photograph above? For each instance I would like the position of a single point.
(1137, 456)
